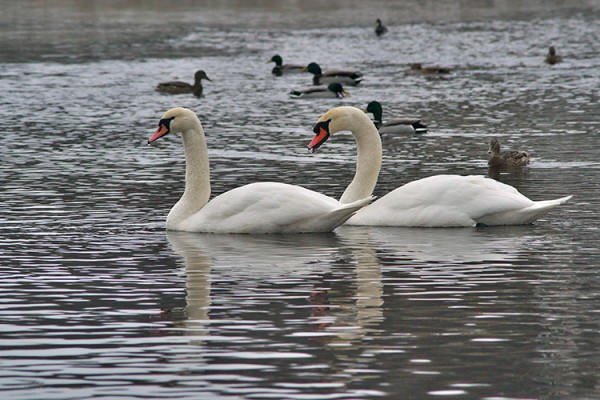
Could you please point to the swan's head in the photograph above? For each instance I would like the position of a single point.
(337, 119)
(175, 120)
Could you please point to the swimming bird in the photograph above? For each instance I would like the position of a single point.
(506, 160)
(333, 90)
(432, 69)
(178, 87)
(380, 29)
(280, 68)
(435, 201)
(553, 58)
(351, 78)
(396, 125)
(265, 207)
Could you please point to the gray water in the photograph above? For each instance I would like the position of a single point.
(99, 301)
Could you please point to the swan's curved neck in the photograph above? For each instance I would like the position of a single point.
(197, 176)
(368, 160)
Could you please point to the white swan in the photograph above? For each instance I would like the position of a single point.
(436, 201)
(266, 207)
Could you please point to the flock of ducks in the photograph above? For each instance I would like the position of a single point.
(273, 207)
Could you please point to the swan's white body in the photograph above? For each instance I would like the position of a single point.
(266, 207)
(436, 201)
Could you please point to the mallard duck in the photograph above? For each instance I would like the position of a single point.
(178, 87)
(351, 78)
(397, 125)
(553, 58)
(433, 69)
(280, 68)
(380, 29)
(333, 90)
(506, 160)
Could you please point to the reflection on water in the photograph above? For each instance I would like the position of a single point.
(98, 301)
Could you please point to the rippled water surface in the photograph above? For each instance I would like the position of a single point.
(99, 301)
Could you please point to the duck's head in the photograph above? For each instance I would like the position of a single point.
(335, 120)
(199, 75)
(313, 68)
(375, 108)
(494, 146)
(378, 22)
(552, 51)
(175, 120)
(338, 89)
(276, 59)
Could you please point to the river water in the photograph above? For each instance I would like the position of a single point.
(99, 301)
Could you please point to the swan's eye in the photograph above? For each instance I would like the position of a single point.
(166, 122)
(323, 124)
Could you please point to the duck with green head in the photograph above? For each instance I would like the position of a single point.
(396, 125)
(332, 91)
(280, 68)
(351, 78)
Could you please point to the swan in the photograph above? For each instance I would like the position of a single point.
(396, 125)
(178, 87)
(380, 29)
(436, 201)
(280, 68)
(266, 207)
(333, 90)
(351, 78)
(553, 58)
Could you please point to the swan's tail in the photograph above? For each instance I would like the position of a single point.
(539, 208)
(340, 215)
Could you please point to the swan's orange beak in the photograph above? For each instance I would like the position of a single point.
(321, 130)
(160, 132)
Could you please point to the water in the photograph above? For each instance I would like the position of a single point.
(99, 301)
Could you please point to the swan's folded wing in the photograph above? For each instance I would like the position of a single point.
(270, 207)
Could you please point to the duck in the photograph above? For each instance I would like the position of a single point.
(178, 87)
(280, 68)
(432, 69)
(351, 78)
(333, 90)
(506, 160)
(380, 29)
(262, 207)
(553, 58)
(394, 126)
(435, 201)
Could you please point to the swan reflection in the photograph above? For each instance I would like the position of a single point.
(325, 287)
(287, 264)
